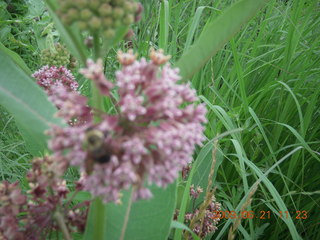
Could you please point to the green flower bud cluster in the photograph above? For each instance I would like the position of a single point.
(104, 15)
(59, 56)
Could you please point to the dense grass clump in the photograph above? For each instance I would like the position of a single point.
(265, 82)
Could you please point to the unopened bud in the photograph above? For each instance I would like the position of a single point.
(105, 10)
(85, 14)
(107, 22)
(128, 19)
(157, 57)
(95, 23)
(94, 4)
(118, 12)
(126, 59)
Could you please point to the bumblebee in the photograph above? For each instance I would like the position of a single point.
(97, 151)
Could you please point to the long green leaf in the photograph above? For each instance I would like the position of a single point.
(27, 103)
(147, 219)
(216, 34)
(164, 25)
(16, 58)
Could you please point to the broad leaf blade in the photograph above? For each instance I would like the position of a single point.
(148, 219)
(16, 58)
(27, 103)
(216, 34)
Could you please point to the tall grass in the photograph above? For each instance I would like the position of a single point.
(264, 81)
(13, 154)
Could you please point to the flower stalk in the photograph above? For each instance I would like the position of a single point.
(99, 215)
(97, 206)
(62, 225)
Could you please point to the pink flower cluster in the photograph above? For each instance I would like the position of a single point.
(210, 219)
(50, 77)
(11, 204)
(31, 216)
(210, 216)
(61, 88)
(94, 72)
(152, 137)
(194, 193)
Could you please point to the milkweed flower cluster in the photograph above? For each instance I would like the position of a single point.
(51, 77)
(31, 216)
(194, 193)
(11, 204)
(210, 218)
(61, 87)
(153, 135)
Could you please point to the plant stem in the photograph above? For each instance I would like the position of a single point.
(126, 218)
(62, 225)
(97, 99)
(99, 217)
(96, 46)
(97, 206)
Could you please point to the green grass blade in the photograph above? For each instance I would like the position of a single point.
(262, 177)
(193, 27)
(301, 140)
(164, 25)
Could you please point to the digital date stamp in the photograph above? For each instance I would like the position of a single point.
(298, 215)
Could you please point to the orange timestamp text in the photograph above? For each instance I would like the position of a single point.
(259, 215)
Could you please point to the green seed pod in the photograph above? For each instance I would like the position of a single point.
(85, 14)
